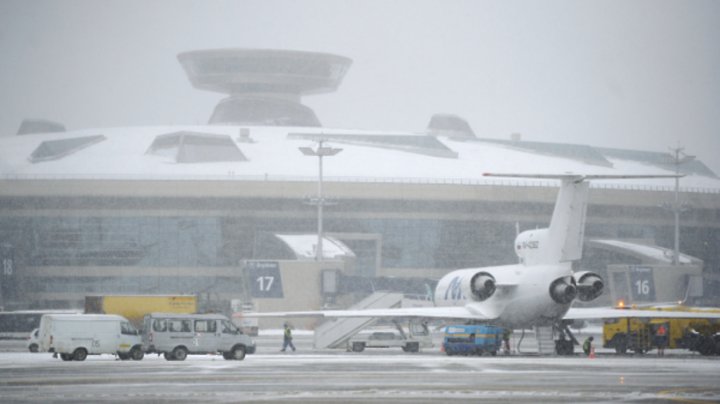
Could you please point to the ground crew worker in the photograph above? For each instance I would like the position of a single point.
(287, 338)
(661, 339)
(506, 340)
(587, 345)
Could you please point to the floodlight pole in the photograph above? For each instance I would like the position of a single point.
(320, 152)
(678, 158)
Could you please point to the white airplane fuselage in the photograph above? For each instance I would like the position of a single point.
(541, 288)
(527, 301)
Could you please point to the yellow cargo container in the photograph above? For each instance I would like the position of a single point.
(135, 307)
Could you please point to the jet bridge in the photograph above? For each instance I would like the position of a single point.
(335, 333)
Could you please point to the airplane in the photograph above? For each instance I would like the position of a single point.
(537, 291)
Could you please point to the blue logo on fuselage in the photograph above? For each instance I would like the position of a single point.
(454, 289)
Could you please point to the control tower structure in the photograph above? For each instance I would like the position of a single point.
(265, 86)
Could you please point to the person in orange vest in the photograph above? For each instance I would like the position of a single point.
(661, 339)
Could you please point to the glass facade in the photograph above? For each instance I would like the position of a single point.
(218, 241)
(115, 241)
(136, 285)
(195, 241)
(221, 241)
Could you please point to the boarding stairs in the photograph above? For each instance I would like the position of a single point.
(545, 340)
(335, 333)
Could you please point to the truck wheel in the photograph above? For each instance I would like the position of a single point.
(123, 356)
(413, 347)
(179, 353)
(620, 343)
(168, 357)
(33, 347)
(238, 353)
(79, 355)
(136, 354)
(706, 346)
(65, 357)
(358, 346)
(564, 347)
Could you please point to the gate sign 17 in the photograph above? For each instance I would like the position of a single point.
(642, 284)
(264, 279)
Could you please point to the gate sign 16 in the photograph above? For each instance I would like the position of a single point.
(264, 279)
(642, 284)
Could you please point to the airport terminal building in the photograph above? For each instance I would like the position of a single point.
(185, 209)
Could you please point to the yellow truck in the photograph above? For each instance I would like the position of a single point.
(638, 334)
(135, 307)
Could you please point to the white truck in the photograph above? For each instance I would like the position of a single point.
(75, 336)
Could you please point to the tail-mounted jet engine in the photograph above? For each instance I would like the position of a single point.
(482, 286)
(589, 285)
(563, 290)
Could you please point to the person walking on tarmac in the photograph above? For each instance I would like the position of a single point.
(661, 339)
(287, 338)
(587, 345)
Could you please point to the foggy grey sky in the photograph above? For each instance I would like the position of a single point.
(628, 74)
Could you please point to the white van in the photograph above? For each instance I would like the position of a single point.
(75, 336)
(33, 341)
(177, 335)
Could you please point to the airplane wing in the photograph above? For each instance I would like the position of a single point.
(597, 313)
(453, 313)
(582, 177)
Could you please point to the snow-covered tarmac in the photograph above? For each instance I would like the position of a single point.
(374, 375)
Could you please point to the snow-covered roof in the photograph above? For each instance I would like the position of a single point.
(647, 253)
(272, 153)
(304, 245)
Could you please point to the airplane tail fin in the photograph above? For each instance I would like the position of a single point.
(563, 240)
(567, 226)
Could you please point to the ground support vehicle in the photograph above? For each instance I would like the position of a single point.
(417, 337)
(628, 334)
(472, 339)
(638, 334)
(177, 335)
(34, 341)
(75, 336)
